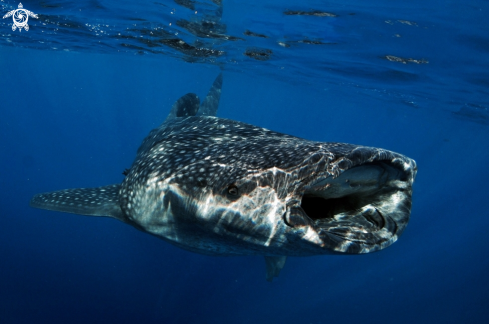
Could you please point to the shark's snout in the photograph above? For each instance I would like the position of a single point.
(363, 209)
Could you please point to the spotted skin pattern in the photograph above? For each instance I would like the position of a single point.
(221, 187)
(178, 185)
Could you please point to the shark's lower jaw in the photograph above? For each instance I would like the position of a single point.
(364, 209)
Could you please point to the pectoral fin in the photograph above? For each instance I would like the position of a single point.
(101, 201)
(274, 265)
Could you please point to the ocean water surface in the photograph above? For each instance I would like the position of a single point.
(86, 83)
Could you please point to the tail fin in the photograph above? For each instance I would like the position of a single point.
(101, 201)
(211, 102)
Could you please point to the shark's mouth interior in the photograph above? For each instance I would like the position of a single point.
(362, 210)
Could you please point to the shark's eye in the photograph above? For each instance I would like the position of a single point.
(233, 190)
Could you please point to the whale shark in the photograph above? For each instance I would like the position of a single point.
(221, 187)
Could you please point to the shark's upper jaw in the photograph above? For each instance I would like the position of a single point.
(363, 209)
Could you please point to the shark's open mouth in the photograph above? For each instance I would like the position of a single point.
(364, 209)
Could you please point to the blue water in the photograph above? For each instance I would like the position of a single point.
(77, 99)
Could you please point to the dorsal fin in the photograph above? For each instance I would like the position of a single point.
(186, 106)
(211, 102)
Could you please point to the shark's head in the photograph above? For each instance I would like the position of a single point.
(224, 187)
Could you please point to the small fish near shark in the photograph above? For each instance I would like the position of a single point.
(220, 187)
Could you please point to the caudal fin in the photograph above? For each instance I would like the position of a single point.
(211, 102)
(101, 201)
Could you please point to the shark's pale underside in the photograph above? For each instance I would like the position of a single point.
(221, 187)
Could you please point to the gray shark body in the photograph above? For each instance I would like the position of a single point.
(221, 187)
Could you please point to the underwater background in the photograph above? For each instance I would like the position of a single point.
(86, 83)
